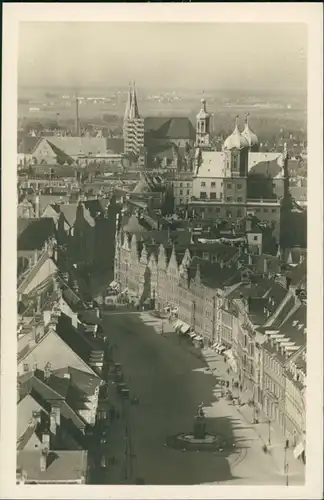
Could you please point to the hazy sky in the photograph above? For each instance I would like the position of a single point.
(168, 55)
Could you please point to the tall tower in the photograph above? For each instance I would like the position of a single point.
(77, 118)
(203, 127)
(133, 129)
(286, 225)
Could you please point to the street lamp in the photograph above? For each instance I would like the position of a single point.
(286, 465)
(269, 436)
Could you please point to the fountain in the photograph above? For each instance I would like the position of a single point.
(199, 439)
(199, 428)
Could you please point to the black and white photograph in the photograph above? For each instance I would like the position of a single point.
(162, 174)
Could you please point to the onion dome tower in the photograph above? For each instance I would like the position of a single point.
(250, 136)
(236, 149)
(236, 140)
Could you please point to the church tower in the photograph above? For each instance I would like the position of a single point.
(203, 127)
(133, 129)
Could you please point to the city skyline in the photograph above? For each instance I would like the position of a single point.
(96, 54)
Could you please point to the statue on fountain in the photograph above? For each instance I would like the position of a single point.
(200, 423)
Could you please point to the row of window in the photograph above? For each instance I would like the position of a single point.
(265, 210)
(229, 213)
(183, 184)
(213, 196)
(181, 192)
(228, 185)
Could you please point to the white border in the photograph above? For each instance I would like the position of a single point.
(309, 13)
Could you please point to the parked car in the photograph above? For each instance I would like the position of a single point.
(125, 393)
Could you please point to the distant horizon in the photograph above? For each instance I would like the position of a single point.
(124, 87)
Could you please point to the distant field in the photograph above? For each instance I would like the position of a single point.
(267, 114)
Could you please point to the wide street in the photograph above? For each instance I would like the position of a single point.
(170, 380)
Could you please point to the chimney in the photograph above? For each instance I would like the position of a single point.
(37, 208)
(265, 266)
(250, 260)
(288, 281)
(46, 440)
(46, 317)
(248, 225)
(52, 323)
(47, 371)
(57, 410)
(77, 121)
(36, 417)
(38, 307)
(53, 423)
(43, 460)
(35, 255)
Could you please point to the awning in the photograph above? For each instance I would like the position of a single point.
(177, 324)
(192, 335)
(298, 450)
(221, 349)
(185, 328)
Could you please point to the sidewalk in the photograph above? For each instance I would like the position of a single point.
(276, 449)
(114, 448)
